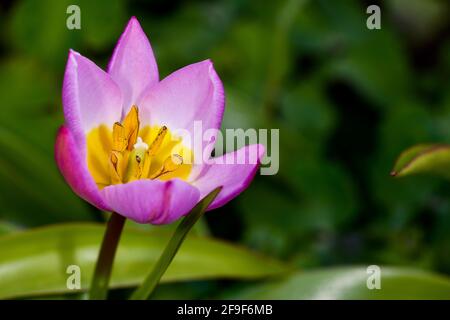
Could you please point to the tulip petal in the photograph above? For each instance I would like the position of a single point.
(152, 201)
(74, 169)
(193, 93)
(132, 65)
(233, 171)
(90, 97)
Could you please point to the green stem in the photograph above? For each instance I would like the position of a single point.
(152, 280)
(103, 268)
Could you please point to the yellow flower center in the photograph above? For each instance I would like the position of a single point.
(127, 152)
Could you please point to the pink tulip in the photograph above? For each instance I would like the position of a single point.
(115, 149)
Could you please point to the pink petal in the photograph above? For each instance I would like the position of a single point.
(90, 97)
(133, 64)
(152, 201)
(74, 169)
(234, 177)
(192, 93)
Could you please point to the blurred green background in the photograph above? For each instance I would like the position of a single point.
(347, 101)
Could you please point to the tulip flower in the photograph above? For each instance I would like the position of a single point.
(118, 149)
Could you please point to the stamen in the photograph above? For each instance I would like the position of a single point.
(119, 140)
(116, 167)
(131, 126)
(153, 150)
(156, 144)
(131, 158)
(124, 138)
(171, 164)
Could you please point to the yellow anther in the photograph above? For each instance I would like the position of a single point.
(156, 144)
(116, 167)
(119, 140)
(153, 150)
(171, 164)
(131, 127)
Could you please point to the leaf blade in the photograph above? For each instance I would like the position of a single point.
(34, 262)
(425, 158)
(153, 278)
(341, 283)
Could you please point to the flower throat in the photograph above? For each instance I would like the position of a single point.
(123, 155)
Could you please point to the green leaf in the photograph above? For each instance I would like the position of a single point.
(151, 281)
(351, 283)
(426, 158)
(35, 262)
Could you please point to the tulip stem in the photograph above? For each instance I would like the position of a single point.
(103, 268)
(153, 278)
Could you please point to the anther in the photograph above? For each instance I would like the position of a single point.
(156, 144)
(171, 164)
